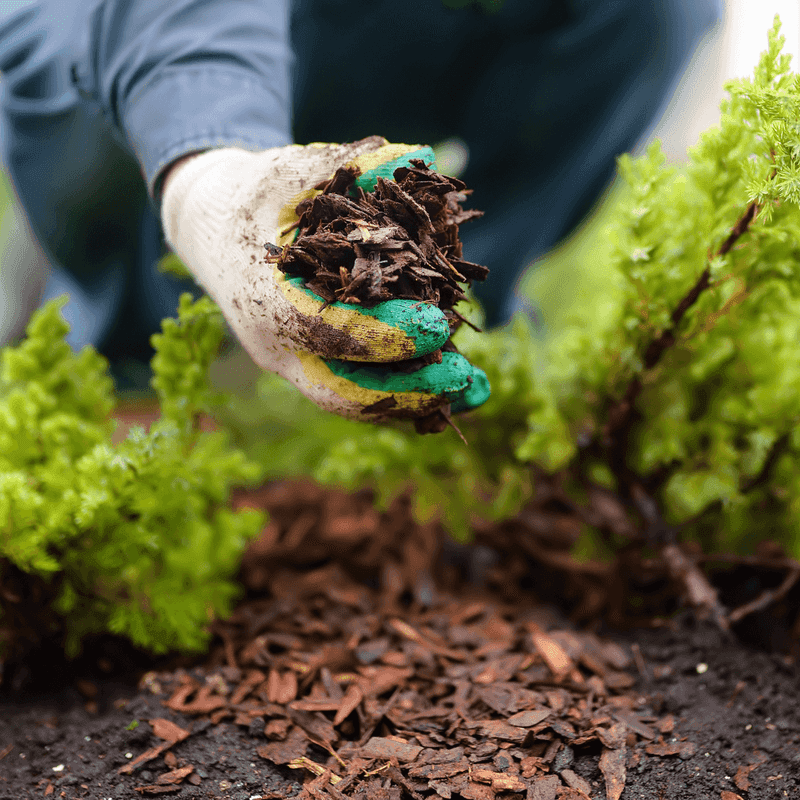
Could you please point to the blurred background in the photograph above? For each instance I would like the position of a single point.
(731, 50)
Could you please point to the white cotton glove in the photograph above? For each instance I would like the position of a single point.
(221, 207)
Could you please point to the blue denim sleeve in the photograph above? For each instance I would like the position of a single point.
(168, 76)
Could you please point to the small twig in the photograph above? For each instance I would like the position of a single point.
(699, 592)
(766, 598)
(638, 659)
(466, 321)
(740, 228)
(455, 427)
(750, 561)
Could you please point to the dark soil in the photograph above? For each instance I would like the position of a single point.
(395, 665)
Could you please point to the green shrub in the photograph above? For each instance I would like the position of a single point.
(135, 538)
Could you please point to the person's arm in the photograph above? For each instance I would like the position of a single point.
(179, 76)
(174, 78)
(192, 86)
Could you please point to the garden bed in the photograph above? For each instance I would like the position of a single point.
(371, 658)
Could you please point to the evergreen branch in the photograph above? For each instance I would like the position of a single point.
(621, 419)
(746, 485)
(622, 414)
(778, 448)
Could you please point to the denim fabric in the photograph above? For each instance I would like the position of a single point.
(99, 95)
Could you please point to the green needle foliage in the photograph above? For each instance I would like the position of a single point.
(134, 538)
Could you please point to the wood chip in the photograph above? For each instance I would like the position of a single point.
(634, 723)
(439, 772)
(682, 749)
(612, 765)
(742, 777)
(545, 788)
(568, 793)
(281, 687)
(499, 729)
(148, 755)
(282, 752)
(253, 678)
(527, 719)
(168, 730)
(557, 660)
(575, 781)
(174, 776)
(613, 737)
(380, 747)
(349, 703)
(204, 702)
(499, 781)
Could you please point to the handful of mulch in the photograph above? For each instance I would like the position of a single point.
(399, 242)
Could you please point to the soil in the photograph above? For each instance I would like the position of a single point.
(370, 657)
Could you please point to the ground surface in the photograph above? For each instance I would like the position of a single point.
(370, 661)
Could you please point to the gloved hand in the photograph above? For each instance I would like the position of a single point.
(219, 209)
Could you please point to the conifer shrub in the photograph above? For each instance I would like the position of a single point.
(135, 538)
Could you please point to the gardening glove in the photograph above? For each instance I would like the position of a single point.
(222, 206)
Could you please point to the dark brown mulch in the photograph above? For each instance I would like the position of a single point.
(400, 241)
(372, 659)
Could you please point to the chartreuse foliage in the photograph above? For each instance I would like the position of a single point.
(136, 536)
(713, 433)
(693, 326)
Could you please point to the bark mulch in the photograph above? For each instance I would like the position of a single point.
(371, 658)
(399, 241)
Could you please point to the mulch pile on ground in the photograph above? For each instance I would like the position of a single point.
(372, 659)
(400, 241)
(404, 689)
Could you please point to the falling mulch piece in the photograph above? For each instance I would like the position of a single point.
(398, 242)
